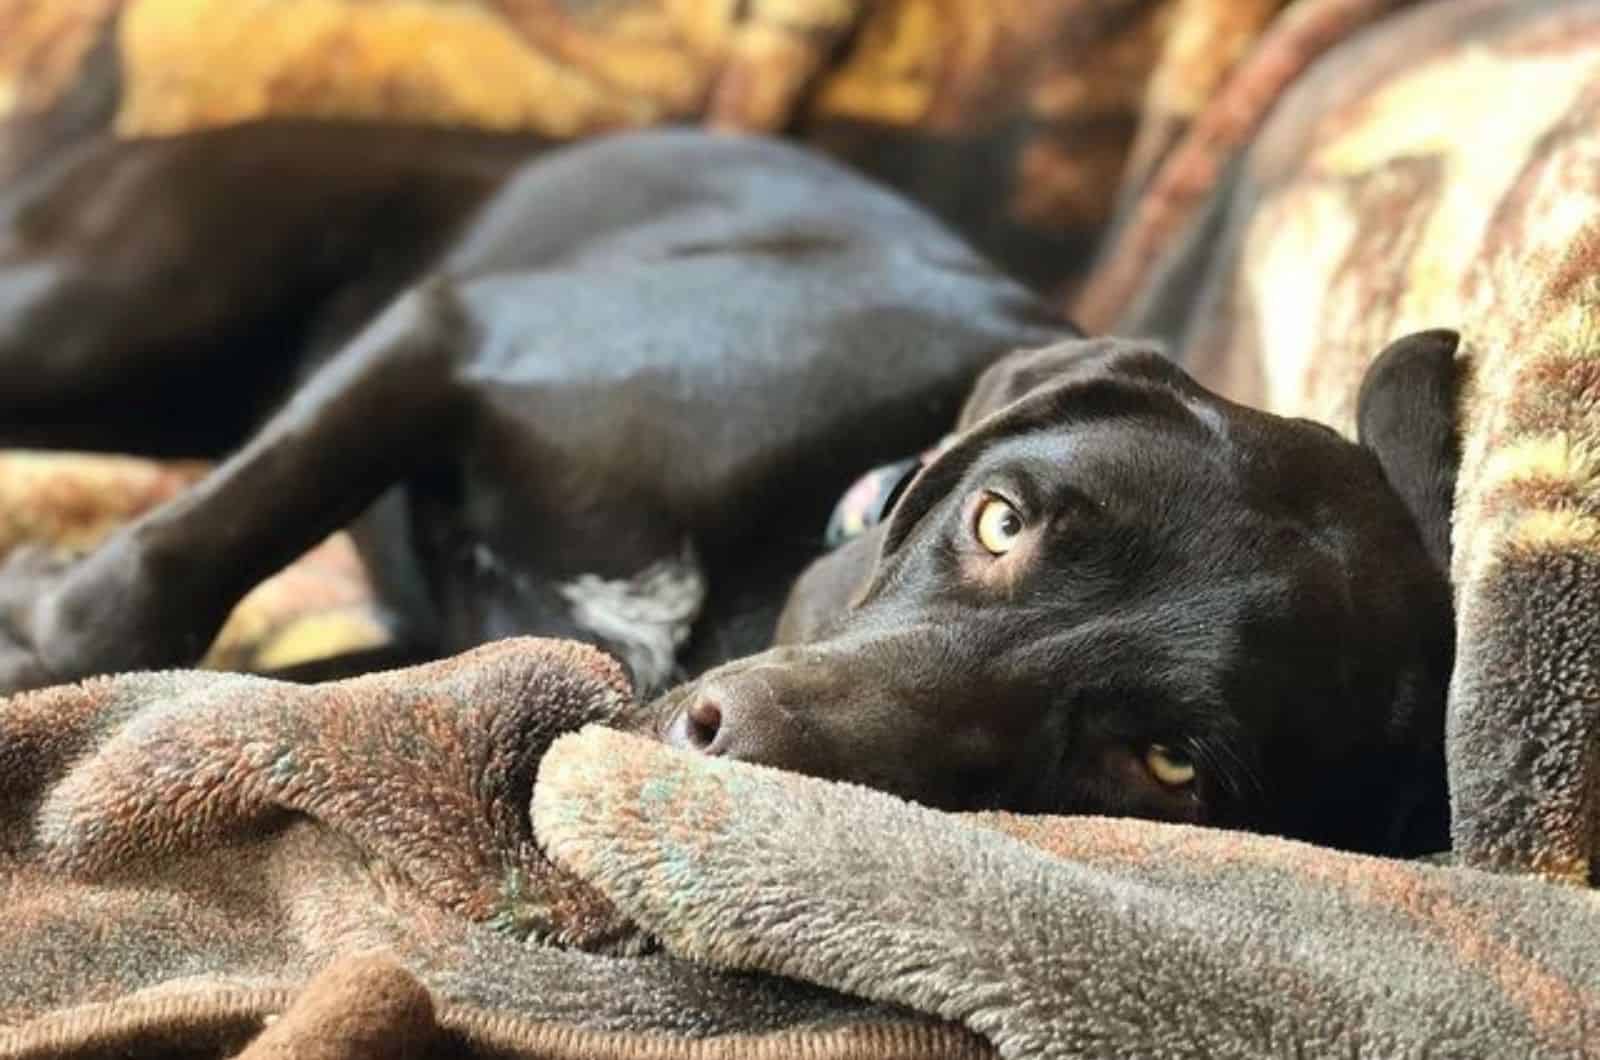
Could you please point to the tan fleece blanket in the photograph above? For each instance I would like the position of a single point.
(181, 851)
(184, 853)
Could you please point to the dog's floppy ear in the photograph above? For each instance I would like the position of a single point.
(1407, 416)
(1022, 371)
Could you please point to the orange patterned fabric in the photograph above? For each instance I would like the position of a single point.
(1011, 117)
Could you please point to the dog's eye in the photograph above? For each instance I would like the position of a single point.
(997, 526)
(1169, 765)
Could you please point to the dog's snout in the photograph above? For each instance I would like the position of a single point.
(731, 715)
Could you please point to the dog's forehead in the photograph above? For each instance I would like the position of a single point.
(1190, 461)
(1155, 448)
(1139, 434)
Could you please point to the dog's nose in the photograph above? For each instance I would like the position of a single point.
(703, 722)
(699, 727)
(740, 716)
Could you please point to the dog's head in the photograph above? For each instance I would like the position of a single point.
(1118, 593)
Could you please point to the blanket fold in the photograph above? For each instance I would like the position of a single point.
(165, 765)
(1073, 937)
(358, 1007)
(181, 853)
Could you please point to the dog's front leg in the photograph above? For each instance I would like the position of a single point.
(156, 591)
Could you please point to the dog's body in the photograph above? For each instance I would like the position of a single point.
(619, 406)
(650, 365)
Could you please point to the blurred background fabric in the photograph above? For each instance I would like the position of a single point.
(1017, 120)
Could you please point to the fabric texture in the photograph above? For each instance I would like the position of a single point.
(1014, 120)
(414, 862)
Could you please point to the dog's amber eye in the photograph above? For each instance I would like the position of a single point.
(1169, 765)
(997, 526)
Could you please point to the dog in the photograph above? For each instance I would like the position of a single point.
(613, 392)
(1115, 592)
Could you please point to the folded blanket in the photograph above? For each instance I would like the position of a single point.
(1434, 171)
(181, 852)
(1073, 937)
(370, 865)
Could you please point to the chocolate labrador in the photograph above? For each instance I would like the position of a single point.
(1115, 592)
(612, 393)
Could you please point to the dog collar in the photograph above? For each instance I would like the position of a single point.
(871, 497)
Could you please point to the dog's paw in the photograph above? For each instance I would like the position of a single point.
(65, 617)
(27, 575)
(20, 668)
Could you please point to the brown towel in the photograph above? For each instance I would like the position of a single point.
(367, 1006)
